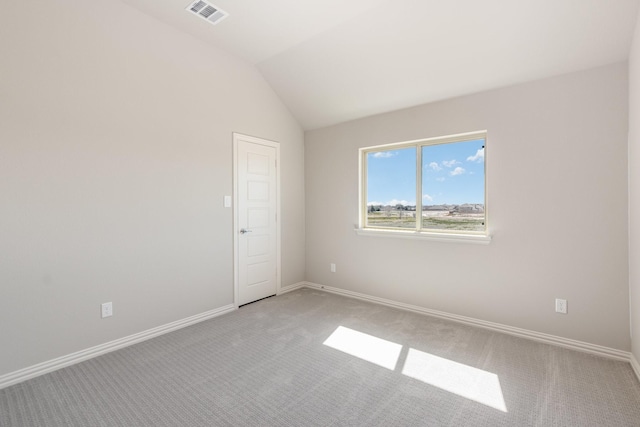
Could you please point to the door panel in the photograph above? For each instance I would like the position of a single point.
(256, 219)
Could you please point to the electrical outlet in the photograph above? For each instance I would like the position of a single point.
(561, 306)
(227, 201)
(333, 267)
(107, 309)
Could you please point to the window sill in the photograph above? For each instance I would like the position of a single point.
(438, 237)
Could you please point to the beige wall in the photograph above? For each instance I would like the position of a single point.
(557, 184)
(115, 152)
(115, 155)
(634, 191)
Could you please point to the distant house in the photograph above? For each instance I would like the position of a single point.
(469, 208)
(435, 208)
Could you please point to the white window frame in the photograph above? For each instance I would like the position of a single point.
(463, 236)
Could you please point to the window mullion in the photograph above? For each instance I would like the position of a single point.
(418, 188)
(363, 190)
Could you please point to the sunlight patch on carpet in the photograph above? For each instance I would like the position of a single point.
(463, 380)
(364, 346)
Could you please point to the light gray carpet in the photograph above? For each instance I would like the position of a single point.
(266, 365)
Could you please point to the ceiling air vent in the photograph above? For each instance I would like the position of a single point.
(207, 11)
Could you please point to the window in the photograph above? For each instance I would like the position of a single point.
(435, 185)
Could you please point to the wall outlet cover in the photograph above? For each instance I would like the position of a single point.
(107, 309)
(561, 306)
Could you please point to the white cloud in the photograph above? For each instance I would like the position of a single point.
(450, 163)
(478, 157)
(398, 202)
(383, 154)
(434, 166)
(427, 198)
(457, 171)
(441, 179)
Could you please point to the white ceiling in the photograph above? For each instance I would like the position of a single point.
(334, 60)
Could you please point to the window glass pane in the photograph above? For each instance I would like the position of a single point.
(453, 186)
(391, 188)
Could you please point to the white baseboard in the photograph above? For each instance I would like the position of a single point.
(293, 287)
(635, 365)
(73, 358)
(598, 350)
(11, 378)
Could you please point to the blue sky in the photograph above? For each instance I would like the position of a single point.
(451, 174)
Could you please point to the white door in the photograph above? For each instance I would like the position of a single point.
(256, 218)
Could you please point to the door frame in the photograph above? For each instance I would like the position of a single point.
(237, 137)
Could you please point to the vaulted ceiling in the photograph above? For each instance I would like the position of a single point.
(333, 60)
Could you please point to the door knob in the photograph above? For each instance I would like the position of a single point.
(244, 230)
